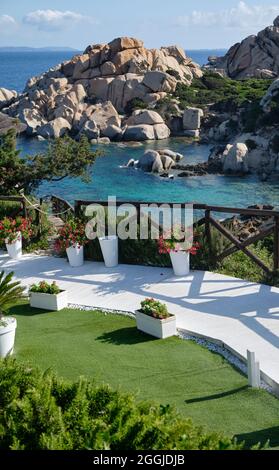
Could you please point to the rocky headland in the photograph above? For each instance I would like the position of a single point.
(110, 91)
(123, 92)
(256, 56)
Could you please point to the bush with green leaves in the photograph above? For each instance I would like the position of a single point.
(154, 308)
(45, 288)
(10, 292)
(40, 411)
(225, 94)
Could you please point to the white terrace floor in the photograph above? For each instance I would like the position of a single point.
(242, 315)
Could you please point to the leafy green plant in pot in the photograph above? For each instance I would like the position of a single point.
(154, 319)
(10, 292)
(48, 296)
(12, 231)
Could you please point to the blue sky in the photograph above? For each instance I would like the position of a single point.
(191, 24)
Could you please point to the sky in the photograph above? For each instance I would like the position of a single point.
(192, 24)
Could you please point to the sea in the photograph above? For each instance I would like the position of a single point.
(109, 175)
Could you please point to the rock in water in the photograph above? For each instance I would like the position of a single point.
(235, 159)
(256, 56)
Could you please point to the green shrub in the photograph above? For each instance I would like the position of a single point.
(45, 288)
(40, 411)
(135, 103)
(173, 73)
(225, 94)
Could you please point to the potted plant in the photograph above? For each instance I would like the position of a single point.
(10, 292)
(12, 231)
(48, 296)
(72, 238)
(109, 247)
(154, 319)
(179, 244)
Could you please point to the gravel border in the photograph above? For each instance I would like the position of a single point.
(182, 334)
(86, 308)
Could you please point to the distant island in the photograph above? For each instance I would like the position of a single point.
(37, 49)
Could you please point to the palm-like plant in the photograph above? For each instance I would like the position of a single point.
(10, 292)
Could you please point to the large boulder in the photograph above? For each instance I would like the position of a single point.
(167, 162)
(145, 117)
(105, 115)
(54, 129)
(6, 97)
(33, 120)
(256, 56)
(161, 131)
(160, 82)
(90, 130)
(272, 92)
(112, 132)
(176, 157)
(235, 159)
(139, 133)
(148, 160)
(7, 123)
(123, 43)
(192, 118)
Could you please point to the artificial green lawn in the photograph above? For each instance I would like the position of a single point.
(109, 349)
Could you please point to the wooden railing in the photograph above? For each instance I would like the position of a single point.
(214, 222)
(22, 210)
(64, 209)
(61, 207)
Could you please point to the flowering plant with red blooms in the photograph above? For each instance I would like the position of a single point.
(71, 235)
(10, 229)
(178, 239)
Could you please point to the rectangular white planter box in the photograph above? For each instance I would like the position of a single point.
(49, 301)
(156, 327)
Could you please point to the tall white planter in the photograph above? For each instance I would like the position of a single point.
(75, 256)
(7, 336)
(180, 262)
(15, 249)
(109, 247)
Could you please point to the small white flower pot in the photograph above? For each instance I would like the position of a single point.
(156, 327)
(75, 256)
(15, 249)
(7, 336)
(49, 301)
(180, 262)
(109, 247)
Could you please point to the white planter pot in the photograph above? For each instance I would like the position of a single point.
(7, 336)
(180, 262)
(49, 301)
(15, 249)
(75, 256)
(109, 247)
(156, 327)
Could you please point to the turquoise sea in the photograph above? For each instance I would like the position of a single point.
(108, 175)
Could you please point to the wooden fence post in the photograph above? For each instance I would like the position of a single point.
(208, 230)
